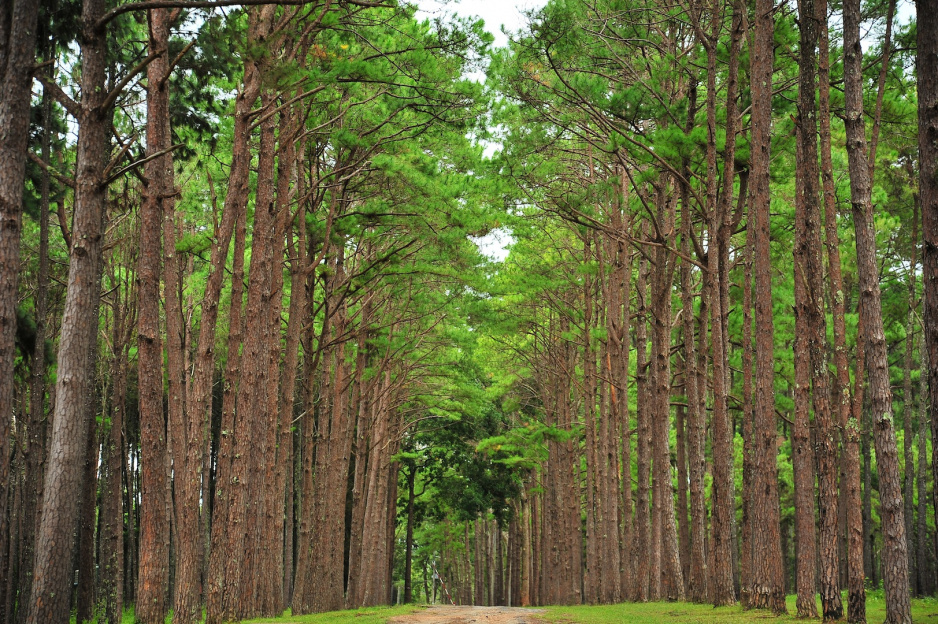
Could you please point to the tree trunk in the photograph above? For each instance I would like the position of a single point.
(840, 391)
(112, 509)
(925, 577)
(35, 445)
(673, 583)
(768, 585)
(815, 336)
(802, 451)
(151, 606)
(895, 553)
(49, 601)
(221, 504)
(643, 450)
(17, 53)
(84, 608)
(927, 73)
(908, 436)
(409, 538)
(288, 382)
(746, 563)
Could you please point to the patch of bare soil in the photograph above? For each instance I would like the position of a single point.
(468, 615)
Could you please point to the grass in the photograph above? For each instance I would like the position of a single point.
(923, 611)
(371, 615)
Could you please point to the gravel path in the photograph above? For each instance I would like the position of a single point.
(468, 615)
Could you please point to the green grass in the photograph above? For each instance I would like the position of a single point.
(371, 615)
(923, 611)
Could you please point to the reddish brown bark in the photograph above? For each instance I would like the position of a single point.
(672, 581)
(895, 553)
(151, 606)
(802, 450)
(34, 448)
(49, 601)
(840, 390)
(643, 447)
(767, 582)
(699, 575)
(927, 77)
(17, 53)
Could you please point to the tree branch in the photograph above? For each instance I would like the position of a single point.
(142, 161)
(210, 4)
(172, 66)
(133, 73)
(73, 107)
(55, 174)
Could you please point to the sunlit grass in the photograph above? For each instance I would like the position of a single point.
(924, 611)
(371, 615)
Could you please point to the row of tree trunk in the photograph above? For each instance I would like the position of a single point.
(682, 370)
(224, 489)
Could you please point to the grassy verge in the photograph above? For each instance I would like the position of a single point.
(372, 615)
(923, 611)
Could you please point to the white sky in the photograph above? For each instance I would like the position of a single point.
(495, 13)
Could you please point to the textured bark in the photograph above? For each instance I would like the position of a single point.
(803, 459)
(151, 606)
(84, 599)
(671, 578)
(721, 589)
(767, 582)
(17, 53)
(409, 537)
(323, 585)
(221, 504)
(49, 601)
(925, 575)
(698, 574)
(927, 73)
(816, 327)
(478, 568)
(594, 555)
(840, 390)
(609, 485)
(745, 567)
(682, 510)
(186, 460)
(643, 449)
(895, 553)
(908, 436)
(34, 448)
(802, 452)
(224, 599)
(112, 508)
(616, 364)
(378, 526)
(288, 382)
(254, 435)
(861, 414)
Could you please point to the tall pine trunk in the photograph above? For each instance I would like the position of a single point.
(927, 73)
(17, 53)
(49, 601)
(767, 582)
(895, 553)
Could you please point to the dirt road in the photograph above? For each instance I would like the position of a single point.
(468, 615)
